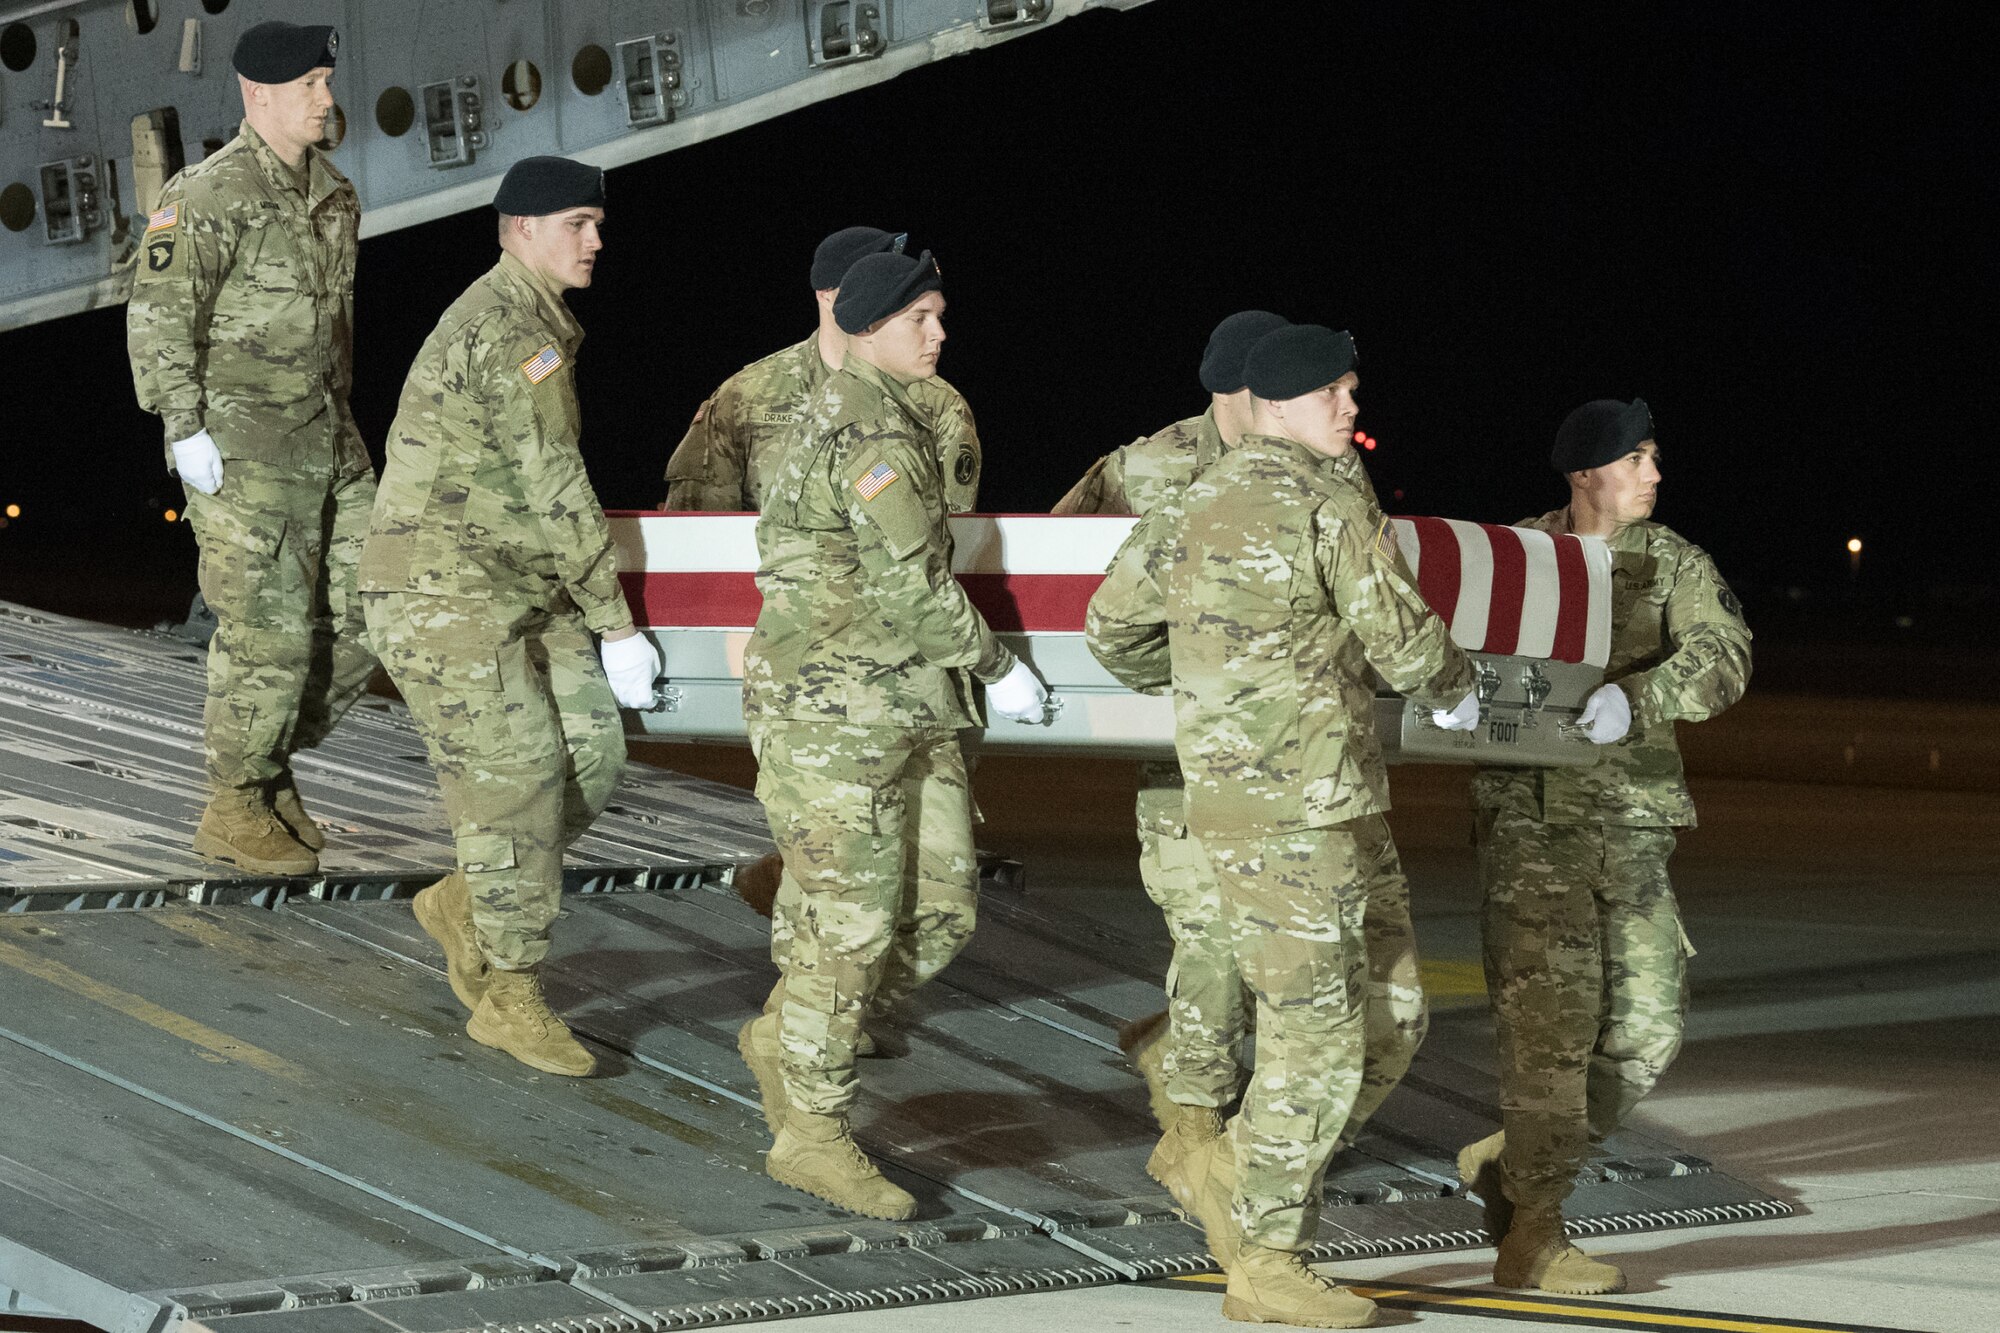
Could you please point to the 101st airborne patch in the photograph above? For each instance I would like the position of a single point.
(161, 231)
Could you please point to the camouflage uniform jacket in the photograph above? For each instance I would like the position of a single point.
(1679, 650)
(241, 320)
(1134, 479)
(1137, 479)
(485, 494)
(731, 451)
(1282, 586)
(862, 620)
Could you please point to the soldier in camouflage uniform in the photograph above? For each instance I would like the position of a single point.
(731, 449)
(1283, 594)
(730, 452)
(1585, 955)
(240, 331)
(1187, 1054)
(488, 567)
(856, 683)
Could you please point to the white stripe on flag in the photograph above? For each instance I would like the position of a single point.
(1406, 542)
(1597, 633)
(1475, 585)
(1542, 603)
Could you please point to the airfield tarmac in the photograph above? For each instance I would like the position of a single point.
(1843, 892)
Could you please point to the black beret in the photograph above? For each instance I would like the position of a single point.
(280, 52)
(1229, 347)
(1297, 359)
(838, 252)
(881, 284)
(1602, 431)
(536, 186)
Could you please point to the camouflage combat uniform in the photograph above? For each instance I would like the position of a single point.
(1205, 998)
(732, 450)
(241, 323)
(488, 567)
(1585, 955)
(1283, 588)
(856, 683)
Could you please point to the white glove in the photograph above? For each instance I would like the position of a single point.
(1465, 717)
(631, 665)
(1606, 715)
(199, 462)
(1019, 695)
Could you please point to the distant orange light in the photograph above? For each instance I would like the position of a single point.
(172, 516)
(1854, 546)
(13, 511)
(1368, 444)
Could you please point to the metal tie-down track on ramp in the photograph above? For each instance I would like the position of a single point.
(252, 1103)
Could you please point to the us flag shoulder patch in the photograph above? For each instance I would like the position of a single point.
(1385, 539)
(542, 364)
(876, 481)
(165, 217)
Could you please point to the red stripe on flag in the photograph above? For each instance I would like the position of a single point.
(1510, 585)
(1437, 568)
(693, 601)
(1011, 603)
(1573, 608)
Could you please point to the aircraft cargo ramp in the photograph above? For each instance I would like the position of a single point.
(250, 1104)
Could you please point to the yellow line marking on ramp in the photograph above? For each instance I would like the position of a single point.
(1596, 1314)
(138, 1007)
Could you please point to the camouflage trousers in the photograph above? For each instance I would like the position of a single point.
(526, 740)
(880, 889)
(1299, 908)
(1586, 963)
(1208, 1011)
(280, 551)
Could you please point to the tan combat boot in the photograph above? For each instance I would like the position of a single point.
(1269, 1286)
(1206, 1188)
(1144, 1041)
(1192, 1126)
(514, 1017)
(816, 1154)
(239, 828)
(1537, 1254)
(291, 812)
(1479, 1175)
(758, 1044)
(444, 910)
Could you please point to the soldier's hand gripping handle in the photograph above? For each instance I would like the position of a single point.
(1463, 717)
(1019, 695)
(1606, 715)
(631, 664)
(199, 462)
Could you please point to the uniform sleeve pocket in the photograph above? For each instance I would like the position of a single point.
(883, 496)
(479, 852)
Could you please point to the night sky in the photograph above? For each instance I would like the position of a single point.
(1772, 222)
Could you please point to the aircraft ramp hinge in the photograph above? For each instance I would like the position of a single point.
(454, 120)
(650, 69)
(995, 15)
(844, 31)
(72, 207)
